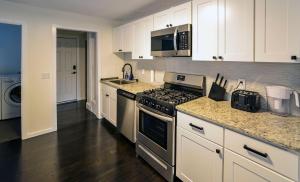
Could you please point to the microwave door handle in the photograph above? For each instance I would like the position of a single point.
(175, 39)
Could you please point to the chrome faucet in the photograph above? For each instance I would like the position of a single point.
(130, 76)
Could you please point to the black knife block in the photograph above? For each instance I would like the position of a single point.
(217, 92)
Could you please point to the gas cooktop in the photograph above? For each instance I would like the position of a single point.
(177, 90)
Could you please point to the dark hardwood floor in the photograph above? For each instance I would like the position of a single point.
(84, 149)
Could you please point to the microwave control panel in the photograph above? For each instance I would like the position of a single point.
(183, 41)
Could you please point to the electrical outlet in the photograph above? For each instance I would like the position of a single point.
(241, 84)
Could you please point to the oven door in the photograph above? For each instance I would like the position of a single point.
(157, 132)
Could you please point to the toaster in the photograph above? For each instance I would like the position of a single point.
(245, 100)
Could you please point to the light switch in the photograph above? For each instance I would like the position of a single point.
(45, 76)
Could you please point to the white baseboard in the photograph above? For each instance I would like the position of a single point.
(38, 133)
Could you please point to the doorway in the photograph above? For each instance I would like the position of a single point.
(10, 81)
(74, 57)
(71, 66)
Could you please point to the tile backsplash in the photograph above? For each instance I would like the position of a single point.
(257, 75)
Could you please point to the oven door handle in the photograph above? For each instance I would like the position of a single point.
(164, 118)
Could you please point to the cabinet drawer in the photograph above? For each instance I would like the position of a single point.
(271, 157)
(202, 128)
(112, 93)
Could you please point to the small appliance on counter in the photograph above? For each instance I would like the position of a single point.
(217, 91)
(279, 99)
(245, 100)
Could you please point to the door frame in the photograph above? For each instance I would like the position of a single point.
(23, 71)
(77, 62)
(96, 109)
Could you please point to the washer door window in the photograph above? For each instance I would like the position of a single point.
(13, 95)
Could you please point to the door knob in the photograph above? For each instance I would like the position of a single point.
(171, 25)
(168, 26)
(220, 57)
(214, 57)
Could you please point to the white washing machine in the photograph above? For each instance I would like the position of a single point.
(11, 97)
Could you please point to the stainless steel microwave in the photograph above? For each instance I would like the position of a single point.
(172, 42)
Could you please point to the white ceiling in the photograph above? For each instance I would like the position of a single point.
(113, 10)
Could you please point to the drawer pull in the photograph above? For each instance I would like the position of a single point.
(265, 155)
(197, 127)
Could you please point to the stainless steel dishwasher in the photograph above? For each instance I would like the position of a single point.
(126, 114)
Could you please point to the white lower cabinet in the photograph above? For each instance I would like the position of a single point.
(201, 157)
(198, 159)
(240, 169)
(109, 103)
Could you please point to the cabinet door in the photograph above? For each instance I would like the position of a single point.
(117, 39)
(162, 20)
(139, 40)
(104, 101)
(197, 158)
(113, 111)
(127, 43)
(277, 30)
(205, 29)
(181, 14)
(238, 168)
(236, 31)
(148, 27)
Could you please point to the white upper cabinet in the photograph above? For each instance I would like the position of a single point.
(162, 20)
(277, 31)
(127, 39)
(181, 14)
(236, 30)
(205, 38)
(123, 38)
(223, 30)
(117, 39)
(178, 15)
(142, 38)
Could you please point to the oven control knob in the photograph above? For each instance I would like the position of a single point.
(157, 107)
(167, 109)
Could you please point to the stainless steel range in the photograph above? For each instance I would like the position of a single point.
(156, 119)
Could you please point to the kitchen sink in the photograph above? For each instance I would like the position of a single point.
(123, 82)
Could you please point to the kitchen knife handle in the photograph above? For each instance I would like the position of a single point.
(217, 77)
(225, 84)
(221, 80)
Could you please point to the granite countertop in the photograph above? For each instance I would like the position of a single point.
(282, 132)
(134, 87)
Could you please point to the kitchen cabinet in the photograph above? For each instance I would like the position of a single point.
(260, 157)
(277, 28)
(205, 38)
(223, 30)
(197, 158)
(109, 103)
(178, 15)
(238, 168)
(123, 38)
(142, 38)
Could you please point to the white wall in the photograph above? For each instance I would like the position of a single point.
(39, 96)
